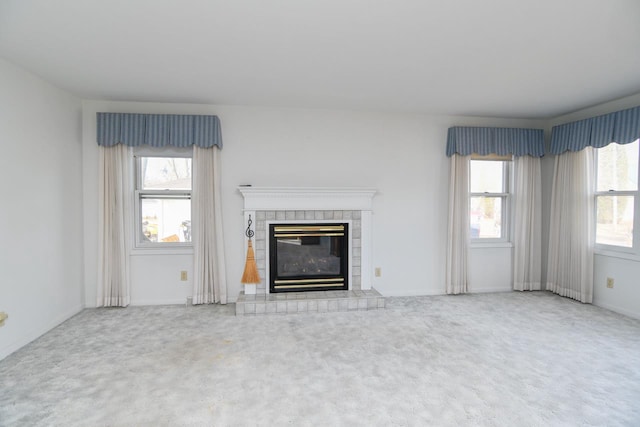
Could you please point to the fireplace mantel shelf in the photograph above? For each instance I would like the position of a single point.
(307, 198)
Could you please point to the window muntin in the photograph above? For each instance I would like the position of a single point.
(489, 196)
(616, 194)
(163, 201)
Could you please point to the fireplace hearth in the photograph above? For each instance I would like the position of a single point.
(308, 257)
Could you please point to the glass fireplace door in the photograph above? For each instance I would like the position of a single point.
(308, 257)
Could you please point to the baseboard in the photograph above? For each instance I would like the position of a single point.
(434, 292)
(36, 333)
(490, 290)
(412, 293)
(172, 301)
(619, 310)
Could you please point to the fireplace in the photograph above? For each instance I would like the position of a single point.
(308, 257)
(269, 206)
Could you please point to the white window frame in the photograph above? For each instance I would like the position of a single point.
(505, 195)
(140, 194)
(606, 249)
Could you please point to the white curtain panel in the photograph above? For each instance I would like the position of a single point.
(570, 265)
(527, 226)
(115, 227)
(209, 278)
(458, 235)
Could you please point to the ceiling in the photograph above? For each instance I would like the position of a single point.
(496, 58)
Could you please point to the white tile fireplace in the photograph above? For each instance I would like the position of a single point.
(301, 205)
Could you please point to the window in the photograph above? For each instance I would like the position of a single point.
(489, 192)
(163, 201)
(616, 194)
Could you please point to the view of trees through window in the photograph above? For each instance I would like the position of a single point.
(488, 195)
(165, 199)
(165, 173)
(617, 183)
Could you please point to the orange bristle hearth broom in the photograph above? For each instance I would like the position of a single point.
(250, 274)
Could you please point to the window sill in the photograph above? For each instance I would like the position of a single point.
(615, 254)
(490, 245)
(185, 250)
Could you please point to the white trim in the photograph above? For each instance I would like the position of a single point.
(490, 245)
(366, 250)
(307, 198)
(251, 288)
(172, 301)
(173, 250)
(606, 248)
(415, 293)
(431, 293)
(623, 252)
(615, 254)
(506, 201)
(618, 310)
(166, 151)
(140, 194)
(491, 290)
(37, 332)
(318, 199)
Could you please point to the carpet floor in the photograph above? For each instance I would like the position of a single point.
(505, 359)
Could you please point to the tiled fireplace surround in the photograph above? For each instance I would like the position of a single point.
(269, 205)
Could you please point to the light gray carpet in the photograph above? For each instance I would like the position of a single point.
(509, 359)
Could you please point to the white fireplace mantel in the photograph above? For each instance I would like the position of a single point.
(307, 198)
(316, 199)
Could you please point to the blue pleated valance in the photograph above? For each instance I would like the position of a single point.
(622, 127)
(502, 141)
(158, 130)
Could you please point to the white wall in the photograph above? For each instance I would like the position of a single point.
(490, 269)
(401, 155)
(41, 207)
(625, 295)
(156, 279)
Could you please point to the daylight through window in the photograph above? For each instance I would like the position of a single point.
(488, 202)
(616, 194)
(163, 196)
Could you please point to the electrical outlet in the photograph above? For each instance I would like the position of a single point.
(610, 282)
(378, 272)
(183, 275)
